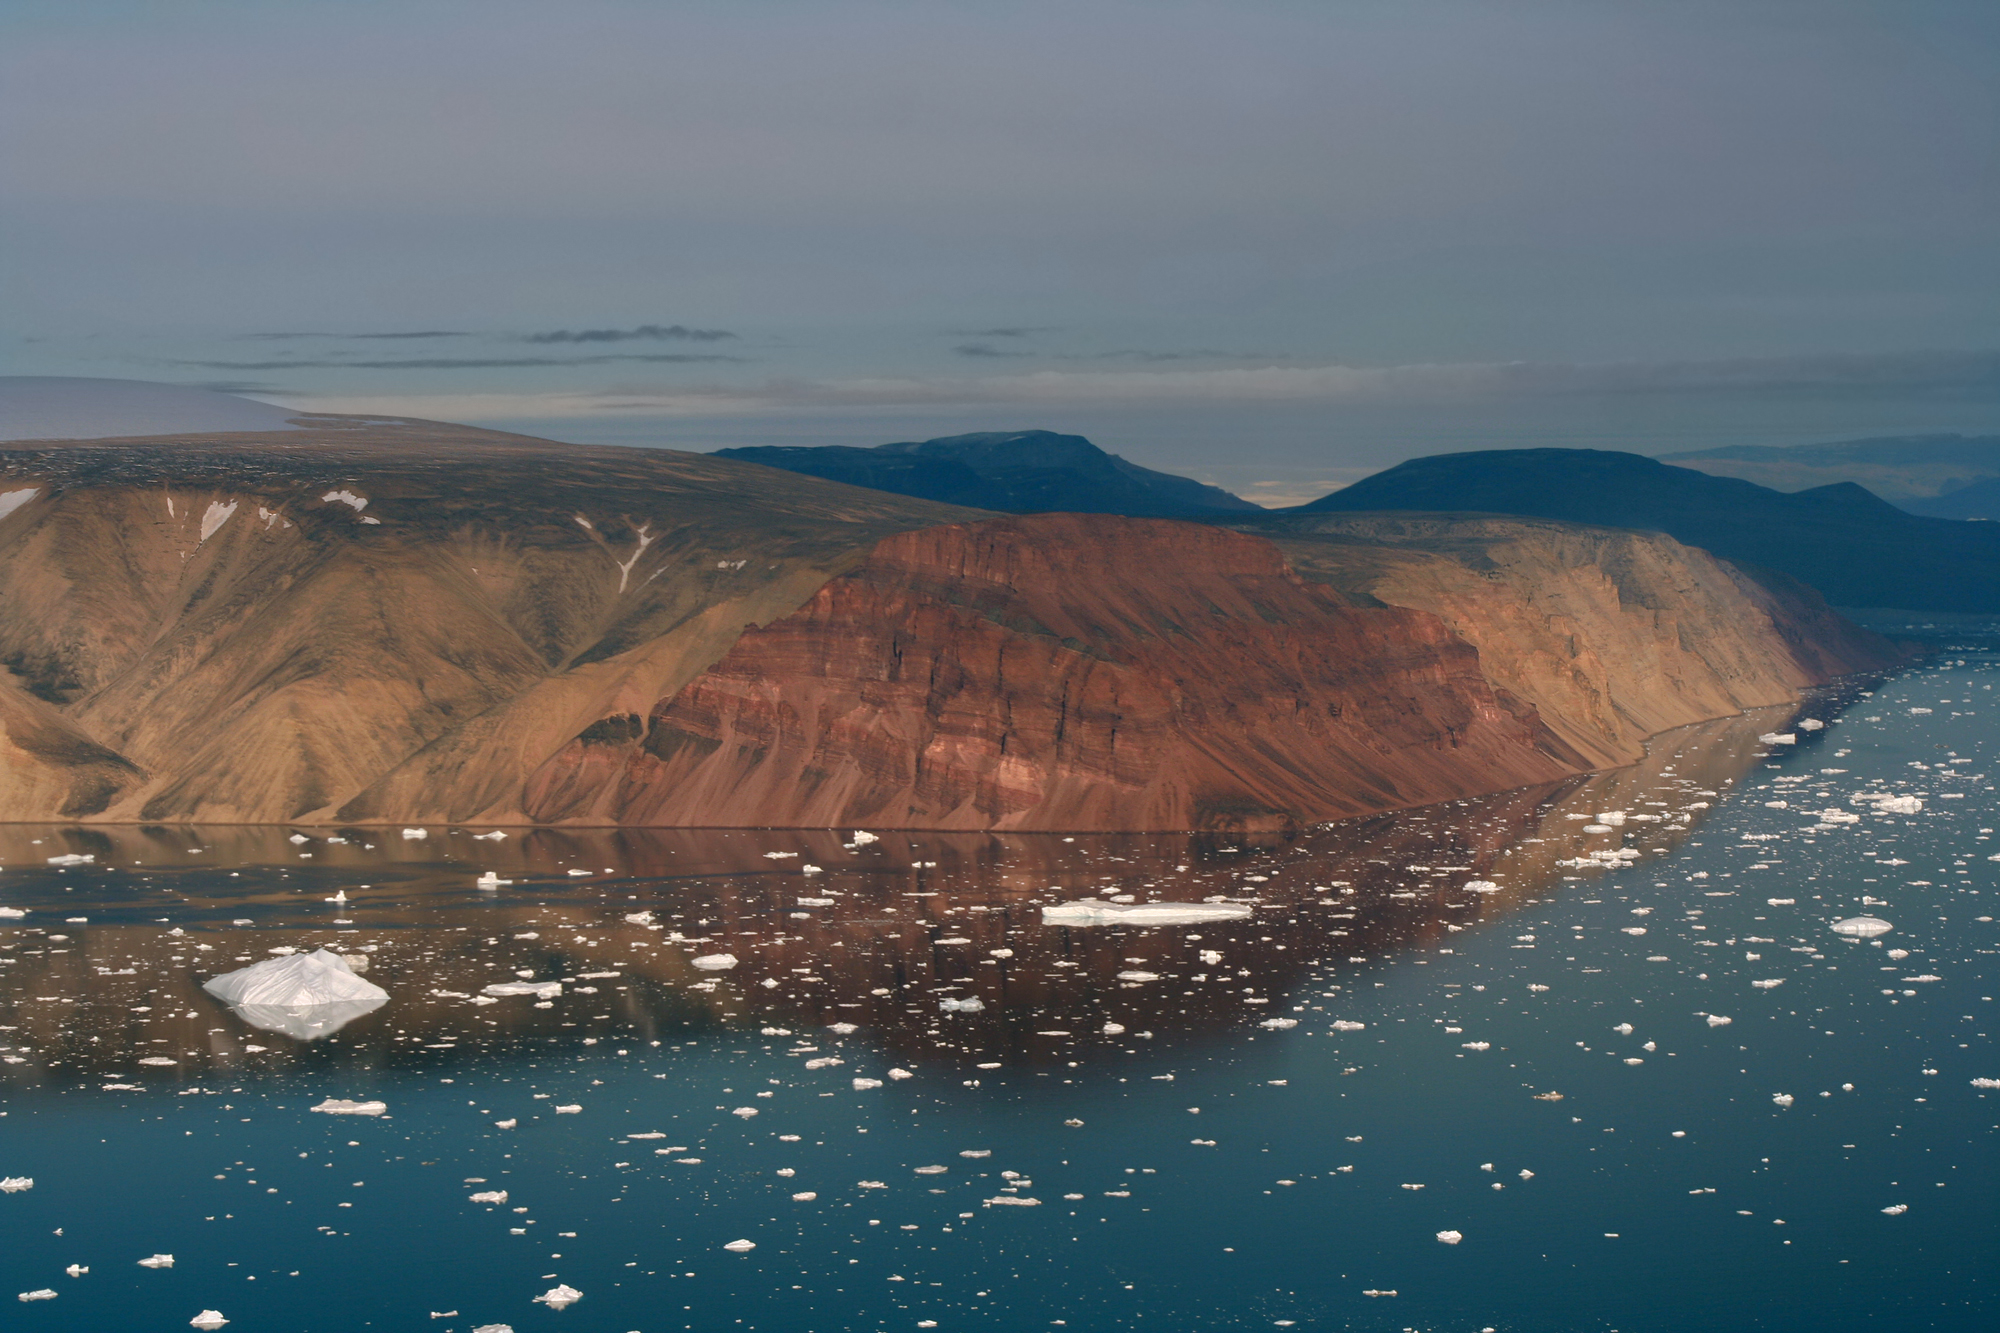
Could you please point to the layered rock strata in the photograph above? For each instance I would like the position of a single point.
(379, 622)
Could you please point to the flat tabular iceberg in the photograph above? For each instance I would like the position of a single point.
(1089, 912)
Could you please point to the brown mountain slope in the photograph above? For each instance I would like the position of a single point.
(1065, 671)
(410, 622)
(269, 626)
(1613, 635)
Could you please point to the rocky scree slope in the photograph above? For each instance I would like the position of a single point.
(373, 622)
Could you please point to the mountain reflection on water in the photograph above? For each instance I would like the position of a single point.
(105, 971)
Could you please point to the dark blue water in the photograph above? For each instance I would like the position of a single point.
(1197, 1167)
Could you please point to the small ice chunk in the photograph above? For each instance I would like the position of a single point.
(1809, 724)
(339, 1106)
(1347, 1025)
(1481, 886)
(211, 1319)
(1138, 976)
(415, 834)
(1897, 1209)
(1279, 1024)
(490, 1196)
(971, 1004)
(542, 990)
(863, 1084)
(40, 1294)
(1862, 927)
(1900, 805)
(747, 1111)
(1783, 1098)
(1778, 738)
(862, 839)
(157, 1261)
(639, 918)
(1112, 1029)
(841, 1029)
(745, 1246)
(12, 913)
(558, 1296)
(900, 1074)
(15, 1184)
(72, 859)
(491, 880)
(495, 836)
(1451, 1237)
(1771, 984)
(1016, 1200)
(1099, 913)
(716, 962)
(1719, 1020)
(572, 1109)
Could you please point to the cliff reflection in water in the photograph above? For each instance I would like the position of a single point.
(879, 938)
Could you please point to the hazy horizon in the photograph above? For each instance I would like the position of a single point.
(1272, 246)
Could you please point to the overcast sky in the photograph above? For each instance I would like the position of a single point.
(1271, 244)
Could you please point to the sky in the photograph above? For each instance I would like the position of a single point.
(1273, 245)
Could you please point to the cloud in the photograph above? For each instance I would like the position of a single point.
(982, 350)
(1889, 376)
(649, 332)
(460, 363)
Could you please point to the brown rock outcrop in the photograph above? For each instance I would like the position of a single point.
(1063, 671)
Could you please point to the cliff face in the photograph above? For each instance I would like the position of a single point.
(392, 623)
(1064, 672)
(1613, 635)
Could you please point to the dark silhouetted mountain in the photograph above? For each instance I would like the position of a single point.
(1019, 472)
(1854, 547)
(1909, 471)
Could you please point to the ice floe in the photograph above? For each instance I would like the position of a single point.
(716, 962)
(157, 1261)
(340, 1106)
(1090, 912)
(208, 1319)
(1862, 927)
(558, 1296)
(542, 990)
(1451, 1237)
(15, 1184)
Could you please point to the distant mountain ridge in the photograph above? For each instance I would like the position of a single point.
(1018, 472)
(1854, 547)
(1945, 476)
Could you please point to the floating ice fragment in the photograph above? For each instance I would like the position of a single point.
(1347, 1025)
(416, 834)
(495, 836)
(1897, 1209)
(1778, 738)
(490, 880)
(745, 1111)
(1279, 1024)
(1112, 1029)
(541, 990)
(815, 902)
(1477, 1045)
(1481, 886)
(12, 913)
(1451, 1237)
(863, 1084)
(1719, 1020)
(1977, 1083)
(572, 1109)
(1015, 1200)
(1138, 976)
(971, 1004)
(1771, 984)
(806, 1196)
(505, 1124)
(1090, 912)
(901, 1074)
(157, 1261)
(76, 1270)
(1623, 1029)
(1782, 1098)
(72, 859)
(490, 1196)
(1633, 930)
(841, 1029)
(1900, 805)
(931, 1170)
(338, 1106)
(213, 1319)
(494, 1328)
(558, 1296)
(1809, 724)
(15, 1184)
(1862, 927)
(862, 839)
(41, 1294)
(716, 962)
(319, 977)
(976, 1152)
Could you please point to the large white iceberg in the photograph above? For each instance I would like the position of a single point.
(1095, 912)
(305, 995)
